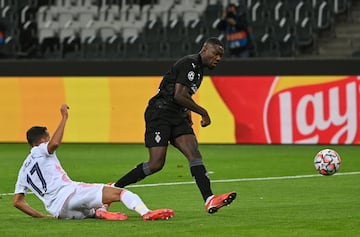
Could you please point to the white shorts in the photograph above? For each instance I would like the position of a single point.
(83, 202)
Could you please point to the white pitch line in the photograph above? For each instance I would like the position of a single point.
(230, 180)
(243, 179)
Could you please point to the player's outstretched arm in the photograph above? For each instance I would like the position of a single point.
(56, 139)
(20, 203)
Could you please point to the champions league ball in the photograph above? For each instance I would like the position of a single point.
(327, 162)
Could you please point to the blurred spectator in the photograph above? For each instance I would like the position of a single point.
(236, 29)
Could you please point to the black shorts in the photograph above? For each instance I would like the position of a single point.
(163, 126)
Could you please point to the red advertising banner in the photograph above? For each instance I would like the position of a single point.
(293, 109)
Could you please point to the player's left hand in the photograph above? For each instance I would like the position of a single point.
(64, 110)
(205, 121)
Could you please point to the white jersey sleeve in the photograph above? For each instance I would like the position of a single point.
(42, 173)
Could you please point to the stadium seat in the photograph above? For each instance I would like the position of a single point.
(153, 31)
(28, 39)
(176, 11)
(266, 47)
(70, 43)
(86, 19)
(195, 28)
(211, 17)
(9, 16)
(65, 19)
(187, 10)
(259, 29)
(305, 36)
(323, 18)
(46, 19)
(283, 35)
(340, 6)
(44, 33)
(175, 32)
(195, 5)
(130, 12)
(157, 50)
(299, 10)
(7, 3)
(129, 32)
(50, 48)
(106, 32)
(153, 34)
(277, 10)
(135, 47)
(190, 16)
(183, 49)
(105, 19)
(112, 42)
(9, 48)
(196, 43)
(91, 44)
(159, 10)
(257, 12)
(341, 9)
(113, 48)
(89, 3)
(28, 10)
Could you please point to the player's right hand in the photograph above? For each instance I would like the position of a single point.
(205, 121)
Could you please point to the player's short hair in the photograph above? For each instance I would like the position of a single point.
(34, 134)
(214, 41)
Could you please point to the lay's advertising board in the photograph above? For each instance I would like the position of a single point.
(243, 109)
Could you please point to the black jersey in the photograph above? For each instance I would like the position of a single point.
(187, 71)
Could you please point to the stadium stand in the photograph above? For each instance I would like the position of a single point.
(175, 36)
(135, 47)
(93, 29)
(91, 44)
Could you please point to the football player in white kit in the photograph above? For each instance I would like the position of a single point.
(63, 198)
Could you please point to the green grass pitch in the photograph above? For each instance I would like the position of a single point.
(279, 192)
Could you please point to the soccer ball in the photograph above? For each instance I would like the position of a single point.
(327, 162)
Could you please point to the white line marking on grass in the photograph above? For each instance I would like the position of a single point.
(244, 179)
(230, 180)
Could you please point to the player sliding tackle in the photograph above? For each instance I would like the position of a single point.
(63, 198)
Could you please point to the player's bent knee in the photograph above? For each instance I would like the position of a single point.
(156, 168)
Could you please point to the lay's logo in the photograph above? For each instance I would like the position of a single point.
(322, 110)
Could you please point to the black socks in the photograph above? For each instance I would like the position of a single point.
(133, 176)
(197, 169)
(202, 180)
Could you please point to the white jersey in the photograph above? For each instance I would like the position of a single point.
(42, 173)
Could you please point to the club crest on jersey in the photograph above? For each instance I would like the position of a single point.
(191, 75)
(157, 137)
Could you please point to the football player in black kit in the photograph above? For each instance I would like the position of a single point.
(168, 119)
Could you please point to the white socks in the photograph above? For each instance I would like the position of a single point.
(208, 199)
(133, 202)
